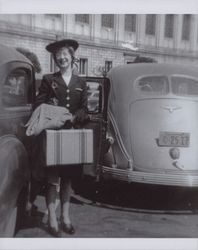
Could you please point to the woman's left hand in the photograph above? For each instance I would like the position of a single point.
(80, 116)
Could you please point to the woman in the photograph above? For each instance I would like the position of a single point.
(63, 88)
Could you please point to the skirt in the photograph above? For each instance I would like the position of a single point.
(70, 172)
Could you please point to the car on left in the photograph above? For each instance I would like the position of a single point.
(17, 93)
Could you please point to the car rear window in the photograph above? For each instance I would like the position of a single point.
(15, 89)
(153, 85)
(184, 86)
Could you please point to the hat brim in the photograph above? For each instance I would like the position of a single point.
(53, 47)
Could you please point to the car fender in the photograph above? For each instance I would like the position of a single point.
(14, 173)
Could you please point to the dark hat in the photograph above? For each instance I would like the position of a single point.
(53, 47)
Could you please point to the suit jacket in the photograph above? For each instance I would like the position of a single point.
(53, 90)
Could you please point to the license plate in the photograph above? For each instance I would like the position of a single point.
(171, 139)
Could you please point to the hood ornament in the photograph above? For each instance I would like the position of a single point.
(171, 108)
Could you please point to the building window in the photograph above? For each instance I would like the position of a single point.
(82, 18)
(108, 65)
(186, 27)
(108, 20)
(53, 16)
(169, 26)
(150, 24)
(83, 66)
(130, 23)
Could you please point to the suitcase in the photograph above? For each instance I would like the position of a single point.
(68, 146)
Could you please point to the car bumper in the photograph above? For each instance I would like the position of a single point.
(183, 180)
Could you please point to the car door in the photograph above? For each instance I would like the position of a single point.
(98, 91)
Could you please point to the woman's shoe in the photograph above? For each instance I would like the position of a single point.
(53, 231)
(68, 228)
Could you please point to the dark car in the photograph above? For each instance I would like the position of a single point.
(16, 96)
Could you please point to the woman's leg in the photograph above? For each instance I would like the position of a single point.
(34, 189)
(51, 195)
(51, 205)
(65, 194)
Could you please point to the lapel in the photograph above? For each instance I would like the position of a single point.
(59, 86)
(72, 82)
(57, 78)
(57, 83)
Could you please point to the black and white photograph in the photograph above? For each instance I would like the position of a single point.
(99, 126)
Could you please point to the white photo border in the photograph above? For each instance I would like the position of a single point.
(100, 6)
(96, 7)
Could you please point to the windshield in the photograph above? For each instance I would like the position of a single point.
(15, 89)
(153, 85)
(184, 86)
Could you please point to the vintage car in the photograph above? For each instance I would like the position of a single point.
(16, 96)
(153, 123)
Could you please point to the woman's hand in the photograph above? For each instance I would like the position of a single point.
(80, 116)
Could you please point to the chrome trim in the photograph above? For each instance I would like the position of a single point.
(185, 180)
(172, 171)
(15, 112)
(119, 139)
(24, 108)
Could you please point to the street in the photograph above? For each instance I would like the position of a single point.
(112, 214)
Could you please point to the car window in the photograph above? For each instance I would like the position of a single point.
(15, 89)
(153, 85)
(93, 93)
(184, 86)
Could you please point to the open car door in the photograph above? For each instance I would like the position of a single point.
(98, 92)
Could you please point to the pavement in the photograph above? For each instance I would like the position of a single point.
(95, 220)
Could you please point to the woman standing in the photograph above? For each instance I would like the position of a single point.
(65, 89)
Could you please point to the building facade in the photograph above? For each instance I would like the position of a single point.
(106, 40)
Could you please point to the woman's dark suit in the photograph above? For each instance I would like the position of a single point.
(53, 90)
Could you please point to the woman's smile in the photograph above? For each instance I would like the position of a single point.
(63, 57)
(63, 61)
